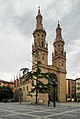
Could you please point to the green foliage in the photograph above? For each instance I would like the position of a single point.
(37, 76)
(5, 93)
(24, 70)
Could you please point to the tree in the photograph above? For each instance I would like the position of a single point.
(36, 76)
(38, 86)
(5, 93)
(1, 93)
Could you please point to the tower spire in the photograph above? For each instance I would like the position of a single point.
(58, 31)
(58, 24)
(40, 44)
(58, 44)
(38, 10)
(39, 24)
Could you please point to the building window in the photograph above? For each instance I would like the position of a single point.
(34, 36)
(42, 44)
(35, 44)
(42, 57)
(55, 52)
(62, 64)
(42, 35)
(23, 88)
(27, 88)
(62, 52)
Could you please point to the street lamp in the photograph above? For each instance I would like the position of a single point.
(54, 84)
(20, 95)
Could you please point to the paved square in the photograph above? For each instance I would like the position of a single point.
(29, 111)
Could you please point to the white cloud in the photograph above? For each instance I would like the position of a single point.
(17, 22)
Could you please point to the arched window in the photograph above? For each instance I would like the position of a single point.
(62, 64)
(35, 44)
(39, 43)
(55, 52)
(62, 52)
(27, 88)
(42, 44)
(42, 57)
(42, 35)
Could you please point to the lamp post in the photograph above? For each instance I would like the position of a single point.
(54, 84)
(20, 95)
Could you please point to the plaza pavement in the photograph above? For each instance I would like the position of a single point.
(29, 111)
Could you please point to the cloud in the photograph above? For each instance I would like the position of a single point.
(67, 13)
(17, 23)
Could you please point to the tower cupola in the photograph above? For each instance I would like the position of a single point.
(40, 45)
(58, 32)
(59, 53)
(39, 18)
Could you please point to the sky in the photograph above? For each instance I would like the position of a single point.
(17, 23)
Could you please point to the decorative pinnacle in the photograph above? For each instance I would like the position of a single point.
(38, 7)
(58, 24)
(38, 10)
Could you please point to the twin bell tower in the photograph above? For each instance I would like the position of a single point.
(40, 52)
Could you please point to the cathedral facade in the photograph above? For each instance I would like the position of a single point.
(58, 66)
(40, 51)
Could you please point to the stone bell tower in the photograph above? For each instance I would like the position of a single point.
(59, 61)
(40, 53)
(59, 56)
(39, 47)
